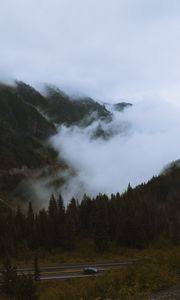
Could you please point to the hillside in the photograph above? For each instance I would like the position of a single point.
(27, 119)
(22, 131)
(62, 109)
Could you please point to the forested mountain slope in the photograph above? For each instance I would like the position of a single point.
(24, 129)
(61, 108)
(27, 119)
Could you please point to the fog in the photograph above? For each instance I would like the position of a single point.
(146, 140)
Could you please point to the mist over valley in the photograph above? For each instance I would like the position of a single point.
(76, 146)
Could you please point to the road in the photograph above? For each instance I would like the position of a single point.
(70, 271)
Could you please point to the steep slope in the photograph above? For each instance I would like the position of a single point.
(60, 108)
(22, 131)
(23, 135)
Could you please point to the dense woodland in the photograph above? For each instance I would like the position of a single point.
(136, 218)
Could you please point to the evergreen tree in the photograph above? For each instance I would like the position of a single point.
(53, 222)
(42, 227)
(101, 224)
(36, 269)
(61, 222)
(52, 208)
(60, 207)
(31, 227)
(20, 225)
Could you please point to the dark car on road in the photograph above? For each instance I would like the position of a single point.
(90, 271)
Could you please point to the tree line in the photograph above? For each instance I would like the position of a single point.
(136, 218)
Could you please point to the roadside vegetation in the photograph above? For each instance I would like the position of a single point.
(155, 270)
(159, 270)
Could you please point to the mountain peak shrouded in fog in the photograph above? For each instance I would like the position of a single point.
(25, 112)
(28, 119)
(121, 106)
(78, 145)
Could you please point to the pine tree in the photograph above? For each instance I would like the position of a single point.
(53, 222)
(36, 269)
(31, 227)
(42, 229)
(52, 208)
(61, 221)
(60, 207)
(101, 224)
(20, 225)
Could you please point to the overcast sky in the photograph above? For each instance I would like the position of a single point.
(108, 49)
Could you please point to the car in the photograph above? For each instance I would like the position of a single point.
(90, 271)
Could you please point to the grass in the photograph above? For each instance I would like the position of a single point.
(84, 252)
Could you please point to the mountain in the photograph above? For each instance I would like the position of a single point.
(23, 135)
(60, 108)
(22, 131)
(28, 118)
(121, 106)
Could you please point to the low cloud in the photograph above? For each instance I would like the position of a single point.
(146, 140)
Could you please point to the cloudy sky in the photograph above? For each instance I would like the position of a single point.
(108, 49)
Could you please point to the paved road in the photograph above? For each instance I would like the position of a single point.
(68, 271)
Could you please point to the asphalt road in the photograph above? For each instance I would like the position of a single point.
(70, 271)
